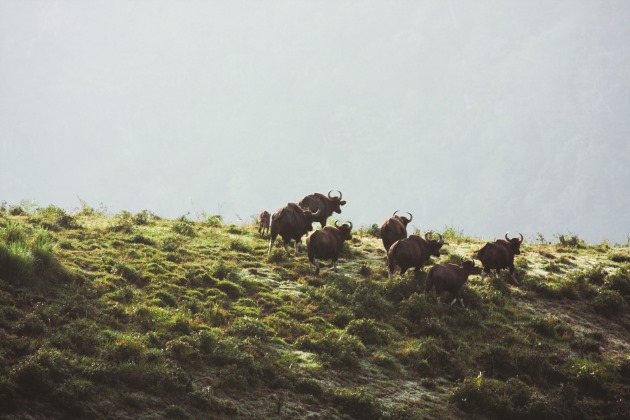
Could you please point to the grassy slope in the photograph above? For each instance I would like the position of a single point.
(139, 317)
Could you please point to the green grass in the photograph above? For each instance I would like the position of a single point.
(138, 316)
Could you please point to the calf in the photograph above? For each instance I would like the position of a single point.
(450, 278)
(326, 244)
(264, 219)
(412, 252)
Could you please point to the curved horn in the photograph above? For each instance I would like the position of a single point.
(349, 223)
(506, 236)
(337, 224)
(521, 241)
(395, 213)
(428, 235)
(410, 217)
(340, 195)
(317, 212)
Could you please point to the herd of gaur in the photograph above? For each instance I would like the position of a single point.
(295, 220)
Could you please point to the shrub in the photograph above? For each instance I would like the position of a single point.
(122, 222)
(590, 376)
(233, 291)
(16, 261)
(572, 241)
(339, 348)
(249, 327)
(368, 331)
(619, 281)
(551, 326)
(240, 246)
(491, 397)
(214, 220)
(400, 288)
(184, 227)
(373, 230)
(32, 325)
(183, 349)
(144, 217)
(621, 257)
(357, 403)
(368, 302)
(609, 303)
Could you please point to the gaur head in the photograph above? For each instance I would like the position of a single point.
(515, 243)
(469, 267)
(404, 219)
(344, 229)
(310, 217)
(436, 244)
(336, 201)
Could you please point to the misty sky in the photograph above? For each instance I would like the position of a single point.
(489, 116)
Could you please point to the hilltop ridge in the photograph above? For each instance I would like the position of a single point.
(135, 316)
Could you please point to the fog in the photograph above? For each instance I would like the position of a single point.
(485, 116)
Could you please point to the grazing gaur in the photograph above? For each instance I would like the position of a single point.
(500, 254)
(326, 244)
(291, 222)
(326, 205)
(450, 278)
(264, 219)
(394, 229)
(412, 252)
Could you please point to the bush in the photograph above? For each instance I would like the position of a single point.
(591, 377)
(368, 331)
(184, 227)
(619, 281)
(358, 403)
(249, 327)
(368, 302)
(337, 347)
(492, 398)
(609, 303)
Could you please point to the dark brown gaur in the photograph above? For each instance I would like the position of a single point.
(264, 220)
(291, 222)
(394, 229)
(450, 278)
(500, 254)
(326, 204)
(413, 252)
(326, 244)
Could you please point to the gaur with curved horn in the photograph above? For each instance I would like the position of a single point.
(394, 229)
(291, 222)
(327, 243)
(327, 204)
(500, 254)
(412, 252)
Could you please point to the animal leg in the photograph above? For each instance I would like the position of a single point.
(483, 276)
(512, 275)
(270, 245)
(462, 302)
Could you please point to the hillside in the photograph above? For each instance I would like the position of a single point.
(134, 316)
